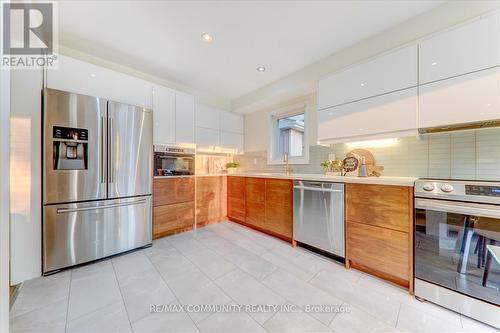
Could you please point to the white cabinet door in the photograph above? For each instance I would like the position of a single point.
(207, 117)
(83, 78)
(207, 138)
(390, 72)
(467, 48)
(231, 122)
(391, 113)
(464, 99)
(163, 115)
(233, 141)
(184, 118)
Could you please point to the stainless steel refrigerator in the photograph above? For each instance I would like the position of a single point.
(97, 178)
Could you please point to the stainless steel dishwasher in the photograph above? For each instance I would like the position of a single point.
(318, 215)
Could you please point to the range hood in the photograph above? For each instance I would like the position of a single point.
(460, 127)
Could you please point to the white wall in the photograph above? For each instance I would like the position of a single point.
(26, 173)
(4, 192)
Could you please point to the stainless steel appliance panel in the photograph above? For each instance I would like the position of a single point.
(64, 182)
(80, 232)
(318, 218)
(130, 151)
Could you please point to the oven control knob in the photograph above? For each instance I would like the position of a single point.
(428, 187)
(447, 188)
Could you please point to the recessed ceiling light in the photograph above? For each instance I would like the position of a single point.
(261, 69)
(206, 37)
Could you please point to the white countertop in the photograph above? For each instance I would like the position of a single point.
(397, 181)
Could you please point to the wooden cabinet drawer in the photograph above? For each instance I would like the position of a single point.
(170, 191)
(379, 205)
(173, 218)
(381, 251)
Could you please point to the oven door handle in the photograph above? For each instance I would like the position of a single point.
(474, 209)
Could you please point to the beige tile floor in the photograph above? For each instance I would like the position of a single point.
(223, 264)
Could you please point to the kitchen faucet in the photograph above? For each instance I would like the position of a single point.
(288, 169)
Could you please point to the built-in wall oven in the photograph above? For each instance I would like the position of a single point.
(173, 161)
(457, 246)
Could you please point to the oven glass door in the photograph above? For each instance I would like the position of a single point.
(457, 245)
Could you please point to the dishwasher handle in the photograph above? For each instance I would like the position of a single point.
(317, 189)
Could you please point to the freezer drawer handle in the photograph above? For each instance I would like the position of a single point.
(72, 210)
(317, 189)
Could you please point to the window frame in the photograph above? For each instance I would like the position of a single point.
(273, 140)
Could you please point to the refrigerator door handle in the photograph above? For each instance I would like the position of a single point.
(111, 151)
(72, 210)
(103, 157)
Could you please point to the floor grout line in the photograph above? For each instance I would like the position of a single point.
(67, 304)
(121, 294)
(399, 312)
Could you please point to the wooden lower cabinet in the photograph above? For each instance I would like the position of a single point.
(236, 198)
(255, 196)
(168, 191)
(279, 207)
(170, 219)
(211, 203)
(173, 205)
(380, 251)
(379, 231)
(263, 204)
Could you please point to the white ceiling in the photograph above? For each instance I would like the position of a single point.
(162, 38)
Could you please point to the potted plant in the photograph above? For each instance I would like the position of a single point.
(232, 166)
(332, 168)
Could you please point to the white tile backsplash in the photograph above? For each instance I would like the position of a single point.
(473, 154)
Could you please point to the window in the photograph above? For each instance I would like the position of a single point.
(291, 135)
(288, 135)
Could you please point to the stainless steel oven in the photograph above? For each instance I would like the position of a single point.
(173, 161)
(457, 246)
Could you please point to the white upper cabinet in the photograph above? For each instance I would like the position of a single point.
(231, 122)
(83, 78)
(207, 138)
(184, 118)
(386, 73)
(391, 114)
(232, 141)
(218, 130)
(463, 99)
(163, 115)
(464, 49)
(207, 117)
